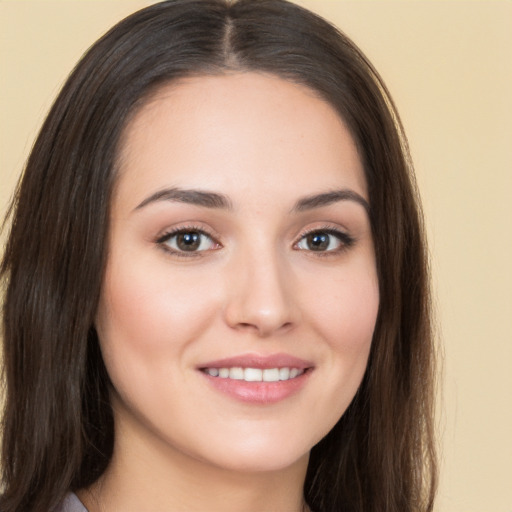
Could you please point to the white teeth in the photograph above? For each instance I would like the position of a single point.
(236, 373)
(271, 374)
(284, 373)
(255, 374)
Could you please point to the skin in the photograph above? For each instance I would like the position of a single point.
(255, 286)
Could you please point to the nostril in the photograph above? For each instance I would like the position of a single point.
(264, 329)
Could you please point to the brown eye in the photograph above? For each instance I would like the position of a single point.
(188, 241)
(318, 241)
(324, 241)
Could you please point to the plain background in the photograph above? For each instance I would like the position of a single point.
(448, 65)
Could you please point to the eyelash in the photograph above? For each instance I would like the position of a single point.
(161, 241)
(346, 241)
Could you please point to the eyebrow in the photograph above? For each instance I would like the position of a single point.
(215, 200)
(327, 198)
(188, 196)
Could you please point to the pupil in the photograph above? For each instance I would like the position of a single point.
(188, 241)
(318, 242)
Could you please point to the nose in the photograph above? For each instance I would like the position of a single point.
(260, 296)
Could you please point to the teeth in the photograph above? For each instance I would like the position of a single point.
(293, 373)
(255, 374)
(236, 373)
(284, 373)
(271, 375)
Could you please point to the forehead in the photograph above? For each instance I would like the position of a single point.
(236, 131)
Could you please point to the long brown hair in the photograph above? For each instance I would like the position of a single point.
(58, 422)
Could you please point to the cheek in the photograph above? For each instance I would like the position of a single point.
(147, 312)
(344, 311)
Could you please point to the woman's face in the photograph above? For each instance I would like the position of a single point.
(240, 294)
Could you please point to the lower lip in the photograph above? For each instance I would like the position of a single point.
(259, 392)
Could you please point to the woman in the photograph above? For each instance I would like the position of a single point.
(216, 281)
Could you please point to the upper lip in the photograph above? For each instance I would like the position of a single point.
(280, 360)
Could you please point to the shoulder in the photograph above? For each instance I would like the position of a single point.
(71, 503)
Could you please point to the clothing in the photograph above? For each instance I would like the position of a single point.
(71, 503)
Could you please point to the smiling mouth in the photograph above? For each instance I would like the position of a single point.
(258, 379)
(255, 374)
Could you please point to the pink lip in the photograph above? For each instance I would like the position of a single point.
(280, 360)
(259, 392)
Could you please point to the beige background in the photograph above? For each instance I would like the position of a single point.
(449, 67)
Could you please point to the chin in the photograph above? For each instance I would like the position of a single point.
(258, 452)
(264, 461)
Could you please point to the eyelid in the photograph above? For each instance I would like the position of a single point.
(187, 228)
(346, 239)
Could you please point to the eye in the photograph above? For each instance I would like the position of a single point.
(187, 241)
(325, 240)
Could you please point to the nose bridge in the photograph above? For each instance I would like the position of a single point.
(260, 296)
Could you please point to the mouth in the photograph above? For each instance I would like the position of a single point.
(258, 379)
(255, 374)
